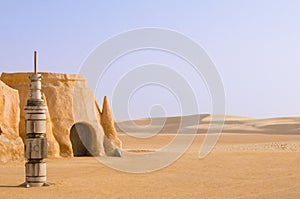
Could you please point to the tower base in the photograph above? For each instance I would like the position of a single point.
(33, 184)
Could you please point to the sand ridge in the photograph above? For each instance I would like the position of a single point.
(232, 124)
(253, 158)
(228, 172)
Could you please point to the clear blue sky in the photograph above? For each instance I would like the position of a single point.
(254, 44)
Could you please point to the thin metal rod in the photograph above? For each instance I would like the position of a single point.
(35, 65)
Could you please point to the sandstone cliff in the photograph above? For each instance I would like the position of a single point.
(11, 145)
(72, 107)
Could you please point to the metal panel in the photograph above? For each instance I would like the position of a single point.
(36, 148)
(32, 116)
(35, 169)
(33, 126)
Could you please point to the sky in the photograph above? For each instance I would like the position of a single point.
(254, 45)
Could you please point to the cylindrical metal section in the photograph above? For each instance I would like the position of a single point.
(36, 169)
(35, 126)
(35, 109)
(33, 116)
(36, 148)
(35, 173)
(35, 77)
(35, 94)
(35, 85)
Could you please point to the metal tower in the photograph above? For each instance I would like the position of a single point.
(36, 148)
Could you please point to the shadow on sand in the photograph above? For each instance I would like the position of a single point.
(13, 186)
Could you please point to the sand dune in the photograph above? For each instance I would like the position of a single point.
(253, 158)
(232, 124)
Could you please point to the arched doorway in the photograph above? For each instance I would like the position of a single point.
(81, 139)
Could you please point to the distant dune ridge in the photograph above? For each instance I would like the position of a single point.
(232, 124)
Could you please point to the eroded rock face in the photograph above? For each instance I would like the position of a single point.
(70, 102)
(53, 146)
(107, 123)
(11, 145)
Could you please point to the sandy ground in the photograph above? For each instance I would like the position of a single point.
(240, 166)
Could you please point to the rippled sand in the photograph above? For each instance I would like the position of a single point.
(240, 166)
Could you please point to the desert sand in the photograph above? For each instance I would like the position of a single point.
(243, 164)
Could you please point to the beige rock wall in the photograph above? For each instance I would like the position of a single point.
(69, 101)
(11, 145)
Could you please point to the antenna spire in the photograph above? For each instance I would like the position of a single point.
(35, 64)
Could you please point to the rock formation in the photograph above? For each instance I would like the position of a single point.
(11, 145)
(72, 108)
(107, 123)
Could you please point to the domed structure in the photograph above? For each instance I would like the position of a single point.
(74, 120)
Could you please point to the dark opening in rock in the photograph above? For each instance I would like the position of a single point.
(81, 139)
